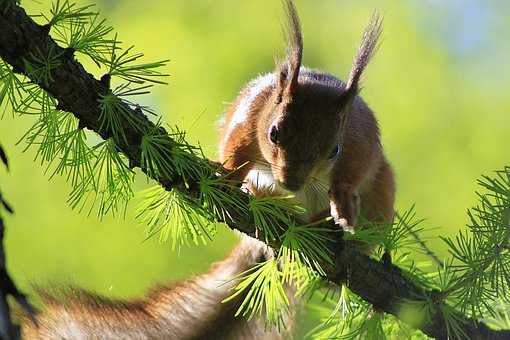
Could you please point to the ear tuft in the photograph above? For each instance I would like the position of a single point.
(368, 47)
(288, 71)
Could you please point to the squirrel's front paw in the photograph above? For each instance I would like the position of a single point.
(344, 206)
(339, 219)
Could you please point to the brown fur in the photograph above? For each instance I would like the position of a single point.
(190, 309)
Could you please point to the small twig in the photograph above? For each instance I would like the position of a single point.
(426, 250)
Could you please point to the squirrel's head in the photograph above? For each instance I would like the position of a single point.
(300, 134)
(301, 127)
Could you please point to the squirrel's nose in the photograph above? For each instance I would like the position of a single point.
(291, 184)
(291, 178)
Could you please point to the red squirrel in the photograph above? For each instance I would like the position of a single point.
(294, 130)
(305, 132)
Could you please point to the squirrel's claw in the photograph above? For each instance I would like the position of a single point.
(342, 222)
(344, 207)
(339, 219)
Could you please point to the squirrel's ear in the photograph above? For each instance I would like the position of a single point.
(367, 49)
(288, 70)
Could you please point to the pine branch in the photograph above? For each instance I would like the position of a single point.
(386, 287)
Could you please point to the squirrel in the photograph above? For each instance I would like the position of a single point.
(304, 132)
(295, 130)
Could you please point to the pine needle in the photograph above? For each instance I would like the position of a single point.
(174, 217)
(109, 184)
(124, 64)
(304, 246)
(265, 294)
(272, 215)
(65, 12)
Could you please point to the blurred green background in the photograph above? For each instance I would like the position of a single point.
(439, 85)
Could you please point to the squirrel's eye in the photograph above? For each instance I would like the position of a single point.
(335, 152)
(273, 134)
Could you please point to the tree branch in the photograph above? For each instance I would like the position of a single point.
(384, 286)
(9, 330)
